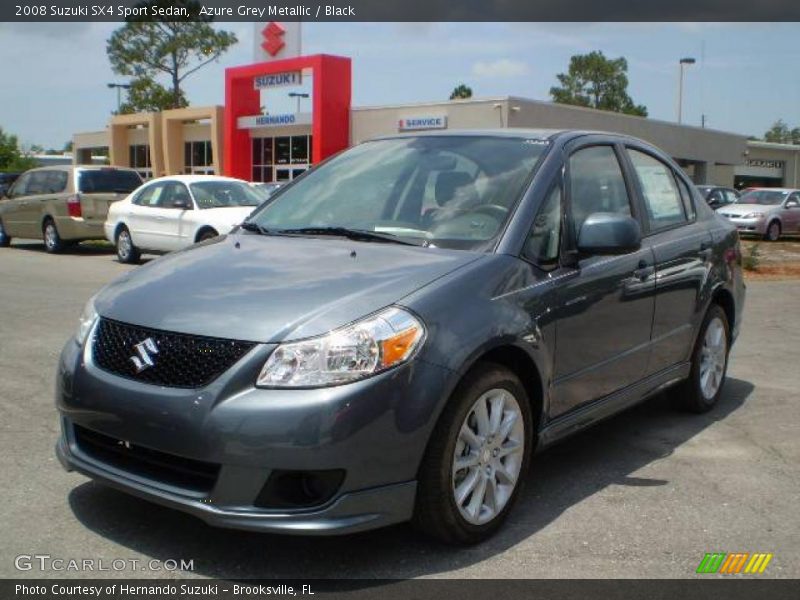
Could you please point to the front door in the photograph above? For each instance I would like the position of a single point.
(605, 310)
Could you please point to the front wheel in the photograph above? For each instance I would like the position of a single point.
(773, 232)
(52, 240)
(476, 458)
(701, 391)
(207, 235)
(126, 252)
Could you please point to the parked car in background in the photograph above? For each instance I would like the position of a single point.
(267, 189)
(718, 196)
(393, 335)
(768, 212)
(63, 204)
(170, 213)
(6, 179)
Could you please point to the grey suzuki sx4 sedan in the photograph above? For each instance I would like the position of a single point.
(392, 336)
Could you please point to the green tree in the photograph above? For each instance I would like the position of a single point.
(595, 81)
(779, 133)
(11, 159)
(461, 92)
(147, 95)
(146, 47)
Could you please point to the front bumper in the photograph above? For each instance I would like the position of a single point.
(751, 226)
(375, 431)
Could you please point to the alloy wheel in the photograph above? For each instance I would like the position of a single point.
(50, 236)
(124, 245)
(713, 357)
(488, 456)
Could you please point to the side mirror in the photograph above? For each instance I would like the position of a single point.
(714, 203)
(792, 204)
(609, 233)
(181, 203)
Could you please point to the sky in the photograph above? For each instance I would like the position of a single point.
(746, 77)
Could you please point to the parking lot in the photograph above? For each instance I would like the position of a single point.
(645, 494)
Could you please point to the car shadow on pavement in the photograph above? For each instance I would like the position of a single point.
(563, 476)
(87, 248)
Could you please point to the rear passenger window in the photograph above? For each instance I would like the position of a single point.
(663, 203)
(38, 183)
(596, 184)
(56, 182)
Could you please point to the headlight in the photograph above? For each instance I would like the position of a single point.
(367, 347)
(753, 215)
(87, 319)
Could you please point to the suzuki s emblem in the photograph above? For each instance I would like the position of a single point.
(143, 359)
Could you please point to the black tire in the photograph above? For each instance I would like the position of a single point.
(127, 253)
(206, 234)
(436, 512)
(773, 232)
(51, 238)
(5, 239)
(690, 395)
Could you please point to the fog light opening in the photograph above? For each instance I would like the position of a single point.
(299, 489)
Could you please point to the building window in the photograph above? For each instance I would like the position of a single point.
(197, 158)
(281, 158)
(139, 159)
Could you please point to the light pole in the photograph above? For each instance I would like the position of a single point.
(682, 62)
(298, 95)
(119, 86)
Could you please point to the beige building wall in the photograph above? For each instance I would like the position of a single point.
(786, 153)
(191, 124)
(139, 128)
(713, 152)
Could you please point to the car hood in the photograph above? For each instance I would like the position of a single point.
(270, 289)
(744, 209)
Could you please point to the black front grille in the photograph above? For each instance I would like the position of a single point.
(179, 360)
(173, 470)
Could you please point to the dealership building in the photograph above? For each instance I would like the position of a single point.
(246, 139)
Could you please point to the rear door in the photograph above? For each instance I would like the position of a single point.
(791, 213)
(682, 247)
(605, 310)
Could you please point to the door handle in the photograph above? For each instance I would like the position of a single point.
(159, 218)
(705, 245)
(643, 271)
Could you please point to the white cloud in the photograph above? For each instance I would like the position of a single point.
(502, 67)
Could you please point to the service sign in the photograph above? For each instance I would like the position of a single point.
(263, 82)
(422, 122)
(276, 120)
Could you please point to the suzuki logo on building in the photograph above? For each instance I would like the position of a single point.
(143, 359)
(273, 38)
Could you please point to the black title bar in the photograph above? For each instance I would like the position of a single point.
(402, 10)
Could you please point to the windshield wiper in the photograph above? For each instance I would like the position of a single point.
(352, 234)
(260, 229)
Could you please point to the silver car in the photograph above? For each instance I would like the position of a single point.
(769, 212)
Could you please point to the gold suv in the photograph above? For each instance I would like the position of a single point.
(63, 204)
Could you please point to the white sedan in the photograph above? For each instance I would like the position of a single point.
(173, 212)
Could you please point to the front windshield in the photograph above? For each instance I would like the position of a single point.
(766, 197)
(221, 194)
(444, 191)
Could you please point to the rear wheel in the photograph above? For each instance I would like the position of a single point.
(773, 231)
(5, 239)
(207, 234)
(476, 458)
(701, 391)
(126, 252)
(52, 240)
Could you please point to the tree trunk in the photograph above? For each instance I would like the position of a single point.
(176, 85)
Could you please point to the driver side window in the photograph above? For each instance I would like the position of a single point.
(596, 184)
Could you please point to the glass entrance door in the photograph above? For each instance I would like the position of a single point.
(281, 158)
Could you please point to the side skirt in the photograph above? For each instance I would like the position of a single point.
(586, 416)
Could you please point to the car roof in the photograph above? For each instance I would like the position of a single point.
(562, 135)
(81, 167)
(773, 189)
(194, 178)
